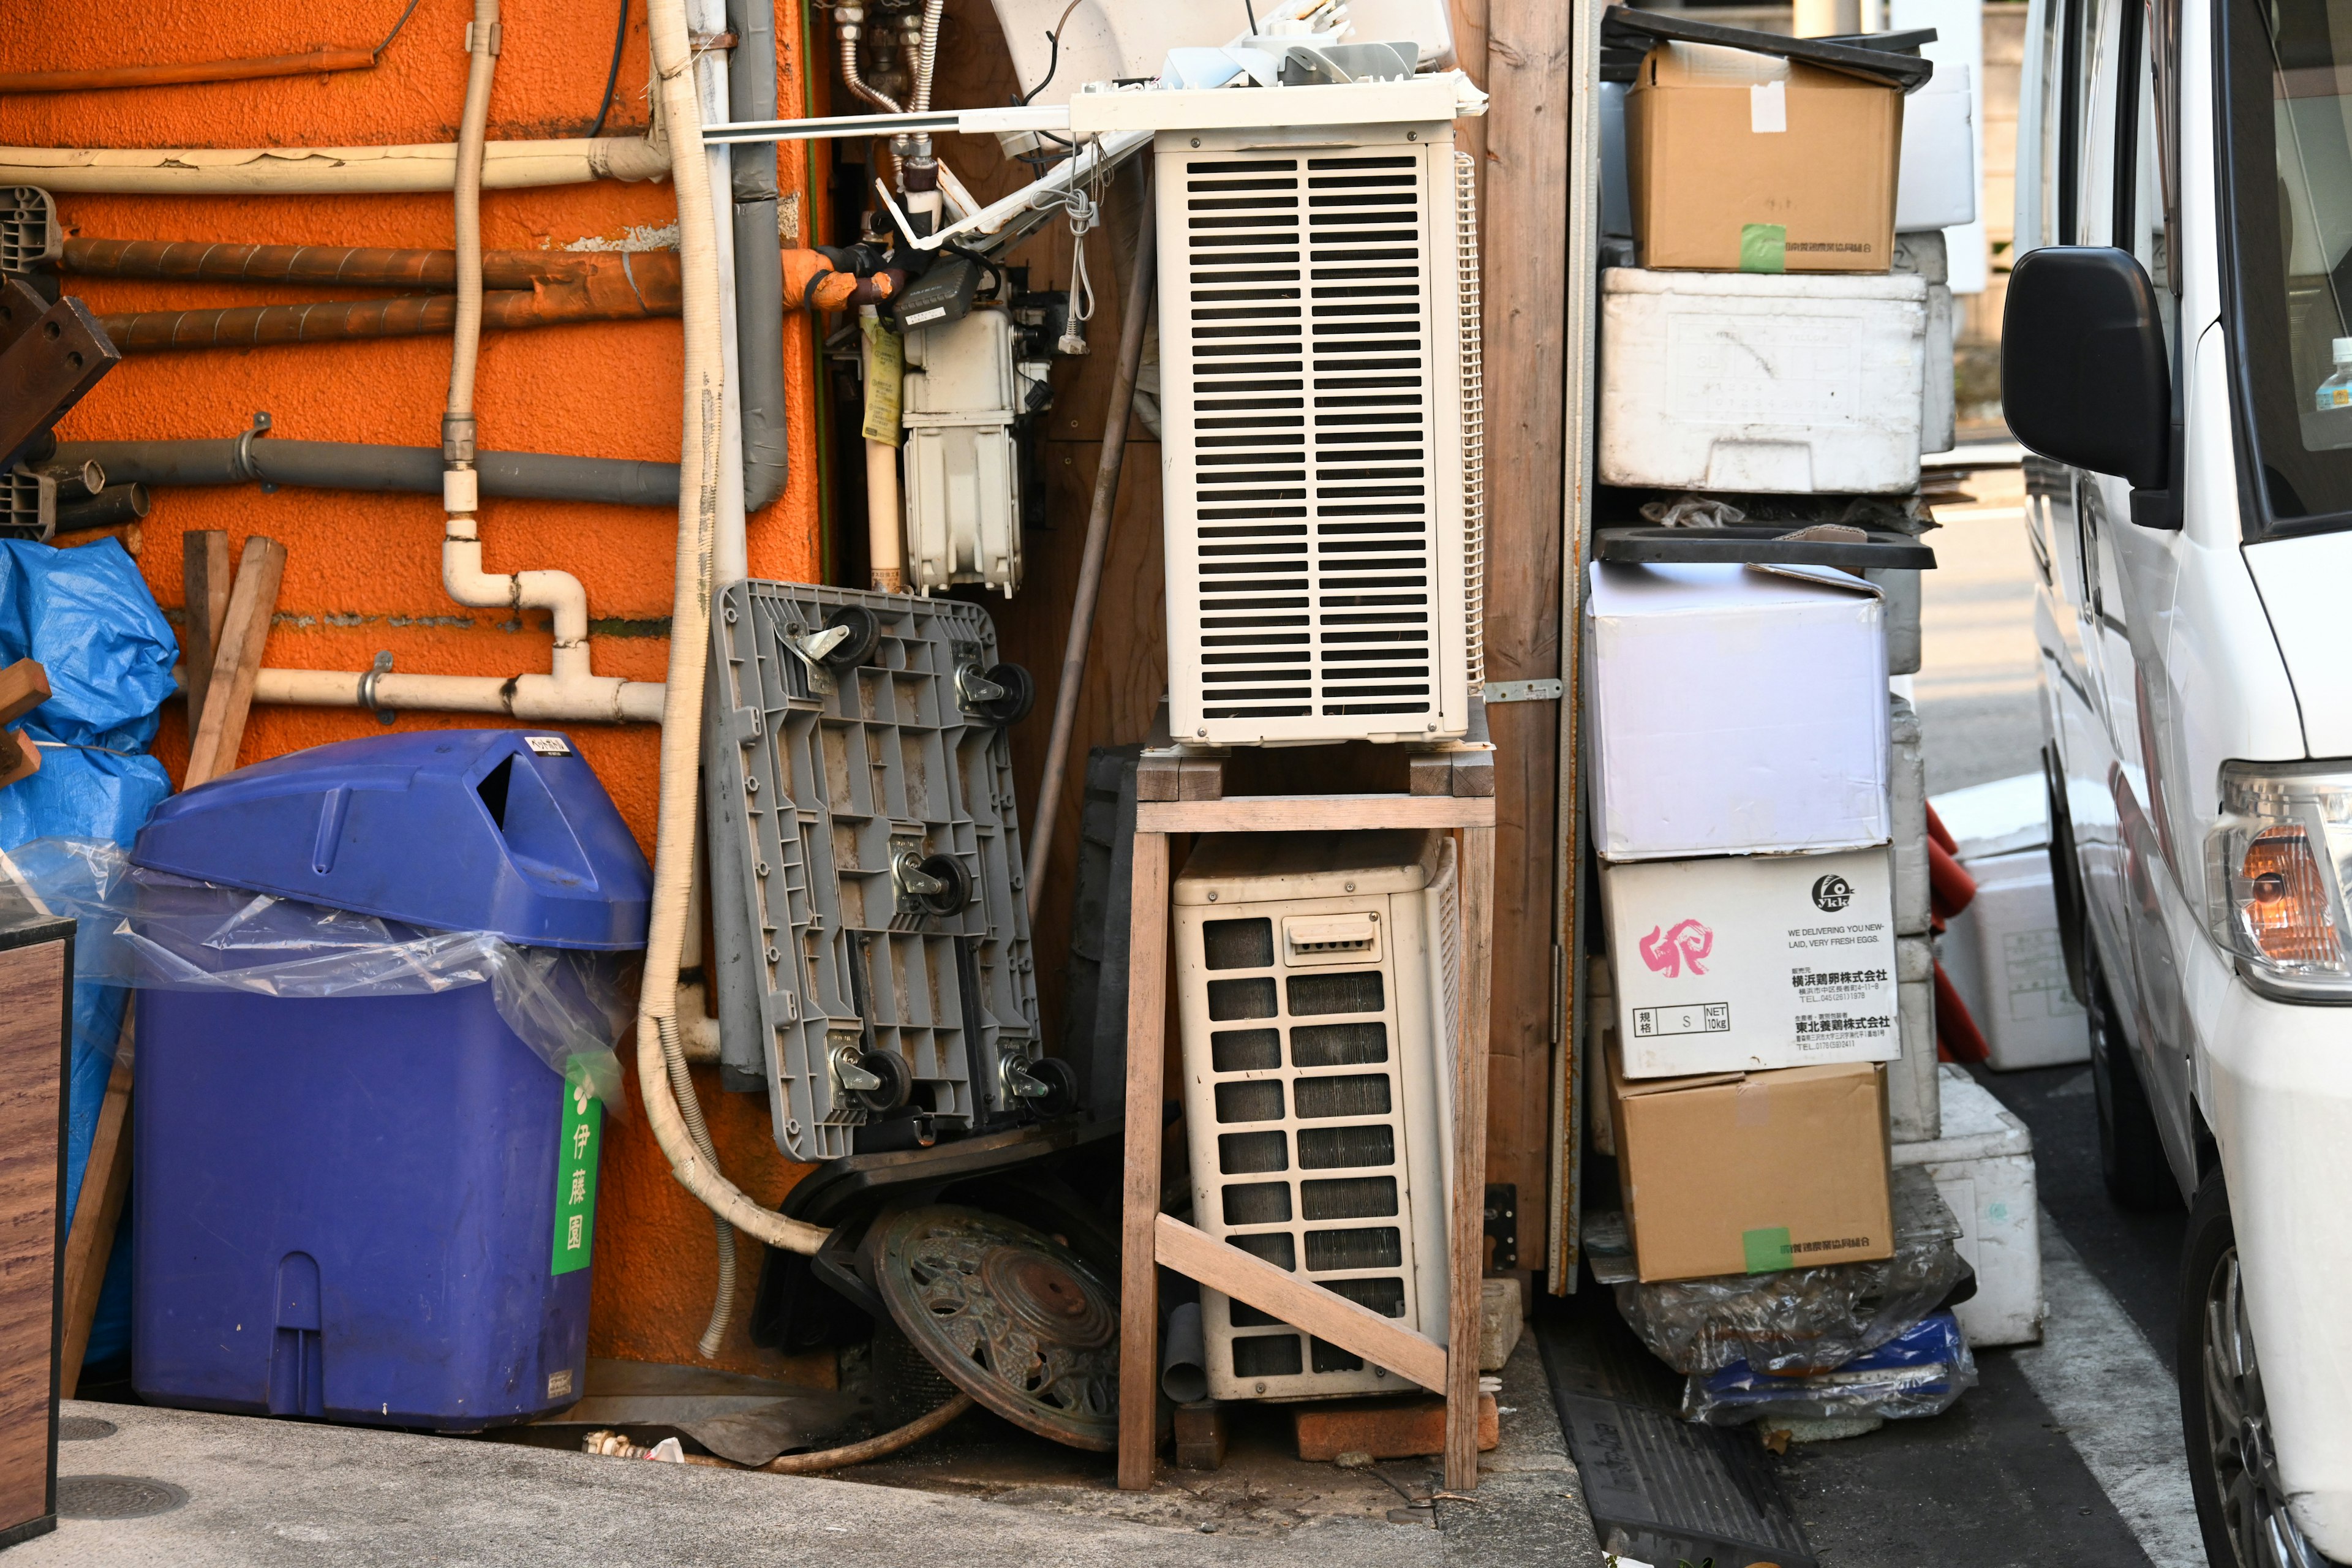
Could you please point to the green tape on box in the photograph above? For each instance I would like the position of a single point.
(1768, 1250)
(1763, 247)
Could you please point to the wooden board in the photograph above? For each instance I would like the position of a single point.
(204, 564)
(1316, 813)
(1465, 1222)
(33, 987)
(1323, 1313)
(1139, 1281)
(237, 663)
(98, 1212)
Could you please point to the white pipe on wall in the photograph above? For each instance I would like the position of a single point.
(731, 551)
(534, 698)
(293, 170)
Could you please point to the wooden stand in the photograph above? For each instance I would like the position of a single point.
(1180, 793)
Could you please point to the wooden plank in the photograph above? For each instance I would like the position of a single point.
(19, 758)
(237, 663)
(98, 1212)
(1524, 274)
(203, 566)
(33, 982)
(1328, 1317)
(1139, 1281)
(23, 686)
(1466, 1222)
(1308, 814)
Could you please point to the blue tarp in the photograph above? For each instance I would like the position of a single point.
(86, 615)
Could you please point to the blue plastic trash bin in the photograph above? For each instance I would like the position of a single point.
(377, 1209)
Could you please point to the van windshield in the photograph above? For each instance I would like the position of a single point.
(2290, 119)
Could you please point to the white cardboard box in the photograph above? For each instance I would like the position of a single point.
(1735, 711)
(1982, 1166)
(2006, 961)
(1936, 188)
(1792, 383)
(1737, 963)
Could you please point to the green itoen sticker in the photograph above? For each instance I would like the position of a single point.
(1763, 247)
(575, 1171)
(1767, 1249)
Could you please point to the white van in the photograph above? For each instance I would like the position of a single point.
(2180, 308)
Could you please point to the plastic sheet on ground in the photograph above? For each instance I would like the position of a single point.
(1802, 1321)
(1922, 1371)
(154, 930)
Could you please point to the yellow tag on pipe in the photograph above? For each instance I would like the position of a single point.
(885, 367)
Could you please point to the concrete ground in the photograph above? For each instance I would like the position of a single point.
(261, 1493)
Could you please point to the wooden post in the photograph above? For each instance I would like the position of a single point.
(237, 662)
(204, 568)
(98, 1210)
(23, 686)
(1138, 1285)
(1467, 1225)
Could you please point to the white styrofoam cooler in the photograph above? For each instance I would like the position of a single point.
(1936, 188)
(1913, 1098)
(1923, 252)
(1734, 710)
(1789, 383)
(1982, 1166)
(1907, 777)
(2005, 959)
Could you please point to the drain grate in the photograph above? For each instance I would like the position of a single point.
(115, 1497)
(83, 1428)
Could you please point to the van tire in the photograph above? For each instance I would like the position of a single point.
(2131, 1150)
(2242, 1508)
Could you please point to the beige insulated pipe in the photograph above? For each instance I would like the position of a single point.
(326, 171)
(886, 544)
(1090, 560)
(662, 1076)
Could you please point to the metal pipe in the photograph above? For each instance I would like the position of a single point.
(849, 23)
(362, 465)
(327, 170)
(413, 316)
(370, 267)
(759, 262)
(1090, 560)
(318, 60)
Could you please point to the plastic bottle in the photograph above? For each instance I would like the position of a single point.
(2336, 392)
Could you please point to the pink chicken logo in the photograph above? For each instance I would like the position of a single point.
(1666, 951)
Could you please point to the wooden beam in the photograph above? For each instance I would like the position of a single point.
(1328, 1317)
(23, 686)
(1312, 813)
(237, 663)
(1467, 1223)
(98, 1212)
(204, 565)
(1139, 1280)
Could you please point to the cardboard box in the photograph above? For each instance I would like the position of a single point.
(1735, 711)
(1748, 1173)
(1745, 163)
(1739, 965)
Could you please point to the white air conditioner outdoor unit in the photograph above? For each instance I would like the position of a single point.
(1319, 375)
(1318, 999)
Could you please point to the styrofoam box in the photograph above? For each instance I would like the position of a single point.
(1982, 1166)
(2006, 961)
(1906, 778)
(1901, 586)
(1936, 188)
(1790, 382)
(1997, 818)
(1734, 711)
(1743, 962)
(1923, 252)
(1913, 1111)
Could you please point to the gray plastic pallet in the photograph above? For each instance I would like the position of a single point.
(841, 798)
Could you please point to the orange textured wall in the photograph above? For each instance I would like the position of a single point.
(363, 572)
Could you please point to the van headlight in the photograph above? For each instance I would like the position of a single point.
(2275, 867)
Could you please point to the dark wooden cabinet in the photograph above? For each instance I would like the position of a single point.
(36, 1036)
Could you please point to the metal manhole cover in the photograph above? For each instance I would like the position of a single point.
(1013, 1317)
(83, 1428)
(115, 1497)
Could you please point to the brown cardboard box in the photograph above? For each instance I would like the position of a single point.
(1745, 162)
(1744, 1172)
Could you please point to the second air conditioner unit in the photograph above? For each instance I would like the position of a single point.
(1318, 999)
(1320, 381)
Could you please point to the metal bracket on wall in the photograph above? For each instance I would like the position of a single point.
(1549, 691)
(1503, 1223)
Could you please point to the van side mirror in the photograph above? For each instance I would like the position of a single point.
(2084, 378)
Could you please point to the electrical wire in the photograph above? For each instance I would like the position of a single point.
(1054, 57)
(1251, 12)
(396, 27)
(612, 75)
